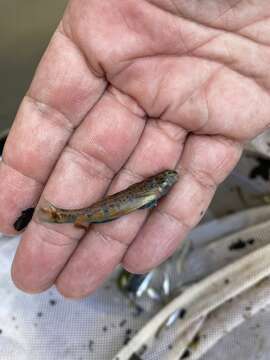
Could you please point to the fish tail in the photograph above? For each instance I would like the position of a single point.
(48, 213)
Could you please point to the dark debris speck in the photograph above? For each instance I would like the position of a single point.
(240, 244)
(138, 311)
(135, 357)
(127, 337)
(262, 169)
(226, 281)
(52, 302)
(123, 323)
(196, 340)
(24, 219)
(142, 350)
(91, 345)
(182, 313)
(104, 329)
(186, 354)
(40, 314)
(1, 331)
(126, 340)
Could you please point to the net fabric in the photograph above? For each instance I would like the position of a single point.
(47, 326)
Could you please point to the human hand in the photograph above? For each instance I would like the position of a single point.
(127, 89)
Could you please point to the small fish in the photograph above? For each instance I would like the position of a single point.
(133, 287)
(134, 284)
(142, 195)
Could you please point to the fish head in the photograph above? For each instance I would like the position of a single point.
(166, 180)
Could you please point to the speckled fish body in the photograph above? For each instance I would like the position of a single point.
(141, 195)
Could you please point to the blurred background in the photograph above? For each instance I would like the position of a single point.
(25, 28)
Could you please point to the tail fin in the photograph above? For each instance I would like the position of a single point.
(48, 214)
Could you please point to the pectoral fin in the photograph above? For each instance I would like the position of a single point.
(82, 222)
(150, 205)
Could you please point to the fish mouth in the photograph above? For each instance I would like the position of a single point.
(172, 176)
(169, 178)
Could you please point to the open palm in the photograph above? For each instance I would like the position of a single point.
(128, 88)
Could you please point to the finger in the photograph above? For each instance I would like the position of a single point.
(206, 161)
(98, 148)
(63, 90)
(159, 148)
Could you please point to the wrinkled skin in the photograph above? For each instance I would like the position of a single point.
(128, 88)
